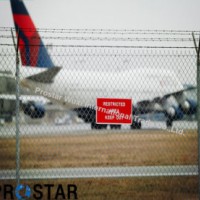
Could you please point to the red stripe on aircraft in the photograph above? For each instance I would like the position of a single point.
(25, 22)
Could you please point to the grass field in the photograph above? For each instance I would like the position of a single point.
(111, 149)
(165, 188)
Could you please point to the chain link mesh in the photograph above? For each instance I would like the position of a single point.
(59, 137)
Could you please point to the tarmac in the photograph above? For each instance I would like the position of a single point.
(9, 131)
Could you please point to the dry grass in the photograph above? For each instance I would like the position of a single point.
(111, 149)
(165, 188)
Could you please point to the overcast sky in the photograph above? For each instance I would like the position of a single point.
(116, 14)
(112, 14)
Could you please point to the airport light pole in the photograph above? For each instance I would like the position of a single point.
(17, 120)
(197, 48)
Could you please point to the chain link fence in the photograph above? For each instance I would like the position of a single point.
(48, 121)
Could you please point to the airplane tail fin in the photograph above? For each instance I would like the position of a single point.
(46, 76)
(32, 50)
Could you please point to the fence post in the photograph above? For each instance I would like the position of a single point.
(198, 112)
(17, 76)
(197, 48)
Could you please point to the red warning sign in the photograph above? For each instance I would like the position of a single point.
(113, 111)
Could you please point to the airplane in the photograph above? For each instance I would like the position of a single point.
(151, 90)
(8, 98)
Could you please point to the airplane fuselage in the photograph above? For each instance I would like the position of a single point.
(75, 88)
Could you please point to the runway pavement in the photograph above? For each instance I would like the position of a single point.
(102, 172)
(9, 131)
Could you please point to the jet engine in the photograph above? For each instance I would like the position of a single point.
(34, 110)
(174, 113)
(189, 107)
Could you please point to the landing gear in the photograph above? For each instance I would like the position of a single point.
(117, 126)
(136, 125)
(94, 125)
(169, 122)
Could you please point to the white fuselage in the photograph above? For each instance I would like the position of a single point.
(75, 88)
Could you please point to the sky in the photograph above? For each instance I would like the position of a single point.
(109, 14)
(112, 14)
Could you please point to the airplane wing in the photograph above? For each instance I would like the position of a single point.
(158, 103)
(174, 105)
(190, 88)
